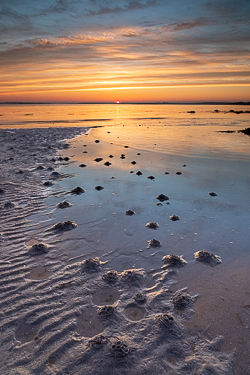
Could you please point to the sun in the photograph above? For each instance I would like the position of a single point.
(118, 102)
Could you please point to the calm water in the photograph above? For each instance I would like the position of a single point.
(79, 114)
(175, 129)
(160, 138)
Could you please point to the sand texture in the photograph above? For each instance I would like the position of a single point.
(87, 286)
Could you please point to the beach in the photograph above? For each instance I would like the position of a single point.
(91, 212)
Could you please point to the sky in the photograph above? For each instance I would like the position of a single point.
(127, 50)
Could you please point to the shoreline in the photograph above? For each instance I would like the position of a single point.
(67, 287)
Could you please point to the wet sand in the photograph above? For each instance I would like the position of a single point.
(56, 315)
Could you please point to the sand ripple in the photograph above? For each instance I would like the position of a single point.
(49, 309)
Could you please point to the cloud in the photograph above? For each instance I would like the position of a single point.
(62, 48)
(130, 5)
(228, 10)
(199, 22)
(11, 20)
(61, 6)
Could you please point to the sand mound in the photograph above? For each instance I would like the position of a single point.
(174, 260)
(65, 226)
(207, 258)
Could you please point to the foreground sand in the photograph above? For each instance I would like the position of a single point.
(52, 321)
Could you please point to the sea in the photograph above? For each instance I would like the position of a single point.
(195, 154)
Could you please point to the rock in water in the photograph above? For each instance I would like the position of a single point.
(78, 190)
(174, 260)
(65, 226)
(162, 197)
(152, 225)
(207, 257)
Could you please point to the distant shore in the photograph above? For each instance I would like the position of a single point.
(133, 103)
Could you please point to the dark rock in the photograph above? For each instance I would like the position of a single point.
(181, 300)
(119, 349)
(106, 311)
(110, 276)
(134, 276)
(151, 177)
(107, 163)
(165, 320)
(162, 197)
(139, 173)
(64, 204)
(98, 160)
(245, 131)
(9, 205)
(152, 225)
(91, 264)
(82, 165)
(78, 190)
(48, 183)
(213, 194)
(207, 257)
(99, 188)
(130, 212)
(174, 260)
(39, 249)
(154, 243)
(55, 175)
(174, 217)
(65, 226)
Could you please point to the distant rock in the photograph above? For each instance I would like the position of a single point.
(245, 131)
(107, 163)
(213, 194)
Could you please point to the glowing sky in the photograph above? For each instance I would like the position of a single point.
(128, 50)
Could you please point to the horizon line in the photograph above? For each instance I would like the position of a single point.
(132, 103)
